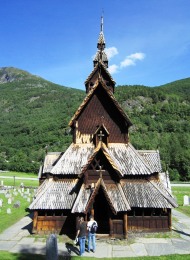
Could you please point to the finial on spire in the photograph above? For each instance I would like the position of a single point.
(102, 22)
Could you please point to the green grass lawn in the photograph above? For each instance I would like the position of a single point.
(178, 193)
(16, 194)
(16, 182)
(19, 174)
(12, 256)
(16, 213)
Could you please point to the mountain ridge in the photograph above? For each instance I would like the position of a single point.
(35, 114)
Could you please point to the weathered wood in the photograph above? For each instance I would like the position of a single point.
(148, 223)
(169, 219)
(125, 229)
(111, 227)
(35, 219)
(95, 114)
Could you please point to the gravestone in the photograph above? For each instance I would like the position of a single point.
(9, 200)
(185, 200)
(1, 203)
(16, 204)
(28, 199)
(8, 211)
(1, 183)
(51, 248)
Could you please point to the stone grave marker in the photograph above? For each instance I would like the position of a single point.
(51, 248)
(28, 199)
(16, 204)
(2, 183)
(9, 200)
(8, 211)
(1, 202)
(185, 200)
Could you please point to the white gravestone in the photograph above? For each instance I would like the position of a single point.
(8, 211)
(9, 201)
(185, 200)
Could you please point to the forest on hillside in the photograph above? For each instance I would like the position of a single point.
(35, 114)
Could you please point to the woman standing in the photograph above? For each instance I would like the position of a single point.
(81, 234)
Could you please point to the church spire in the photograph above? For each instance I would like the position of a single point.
(100, 54)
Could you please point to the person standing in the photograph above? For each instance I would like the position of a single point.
(81, 235)
(92, 228)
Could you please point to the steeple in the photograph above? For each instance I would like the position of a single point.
(100, 70)
(100, 54)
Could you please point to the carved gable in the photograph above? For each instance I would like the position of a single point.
(101, 109)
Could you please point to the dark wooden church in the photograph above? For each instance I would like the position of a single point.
(101, 173)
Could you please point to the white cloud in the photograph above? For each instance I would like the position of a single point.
(127, 62)
(111, 52)
(131, 59)
(137, 56)
(113, 69)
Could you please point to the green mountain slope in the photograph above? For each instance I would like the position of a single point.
(35, 114)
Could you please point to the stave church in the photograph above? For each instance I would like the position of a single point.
(101, 173)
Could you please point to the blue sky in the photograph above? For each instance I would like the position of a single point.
(148, 41)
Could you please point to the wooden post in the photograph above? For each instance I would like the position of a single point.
(111, 227)
(125, 225)
(169, 219)
(35, 220)
(92, 212)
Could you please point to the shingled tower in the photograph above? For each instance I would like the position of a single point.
(101, 173)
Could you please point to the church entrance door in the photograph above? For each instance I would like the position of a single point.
(101, 213)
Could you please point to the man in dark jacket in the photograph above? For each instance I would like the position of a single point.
(81, 234)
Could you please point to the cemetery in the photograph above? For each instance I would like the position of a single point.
(14, 201)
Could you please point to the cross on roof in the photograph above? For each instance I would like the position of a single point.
(100, 135)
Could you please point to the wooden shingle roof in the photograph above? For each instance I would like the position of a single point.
(96, 68)
(49, 161)
(144, 193)
(152, 157)
(72, 161)
(129, 160)
(52, 195)
(113, 194)
(123, 158)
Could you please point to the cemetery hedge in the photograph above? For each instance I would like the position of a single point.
(35, 114)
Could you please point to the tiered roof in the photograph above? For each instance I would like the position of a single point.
(140, 181)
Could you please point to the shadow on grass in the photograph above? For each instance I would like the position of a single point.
(26, 253)
(71, 248)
